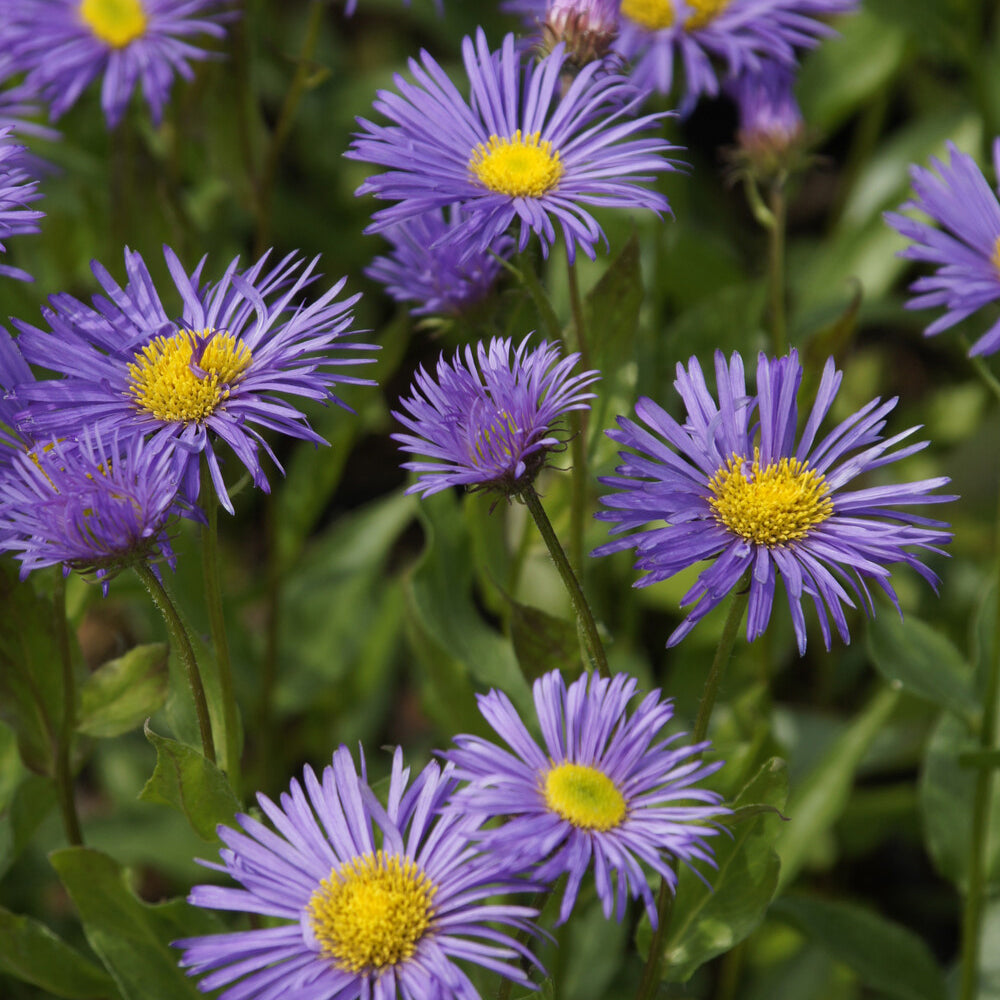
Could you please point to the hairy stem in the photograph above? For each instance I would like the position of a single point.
(63, 776)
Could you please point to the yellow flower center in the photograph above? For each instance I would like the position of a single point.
(704, 12)
(771, 506)
(522, 167)
(586, 797)
(995, 257)
(651, 14)
(372, 911)
(185, 377)
(116, 22)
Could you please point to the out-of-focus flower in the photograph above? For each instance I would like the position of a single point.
(966, 248)
(771, 131)
(587, 28)
(604, 792)
(18, 189)
(519, 150)
(93, 507)
(490, 421)
(742, 493)
(216, 374)
(61, 46)
(429, 267)
(373, 901)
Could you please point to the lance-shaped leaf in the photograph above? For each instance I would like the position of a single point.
(123, 692)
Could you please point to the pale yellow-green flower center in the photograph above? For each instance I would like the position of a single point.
(116, 22)
(653, 15)
(779, 503)
(995, 256)
(521, 166)
(584, 796)
(371, 912)
(170, 382)
(704, 11)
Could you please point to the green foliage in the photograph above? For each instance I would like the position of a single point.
(123, 692)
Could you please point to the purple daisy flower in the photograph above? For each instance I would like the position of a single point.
(519, 150)
(429, 267)
(604, 791)
(14, 371)
(741, 492)
(374, 901)
(959, 199)
(213, 375)
(94, 508)
(488, 422)
(18, 189)
(62, 45)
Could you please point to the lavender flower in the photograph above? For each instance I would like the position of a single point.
(490, 422)
(18, 189)
(958, 198)
(370, 901)
(742, 493)
(216, 374)
(431, 268)
(771, 128)
(517, 151)
(63, 45)
(604, 792)
(586, 27)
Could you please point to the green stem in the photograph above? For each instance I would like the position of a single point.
(577, 599)
(776, 267)
(220, 641)
(651, 974)
(972, 918)
(578, 444)
(284, 125)
(983, 371)
(182, 643)
(264, 733)
(63, 776)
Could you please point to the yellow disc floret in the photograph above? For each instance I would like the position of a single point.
(771, 505)
(995, 256)
(185, 377)
(584, 796)
(116, 22)
(704, 12)
(522, 167)
(653, 15)
(371, 912)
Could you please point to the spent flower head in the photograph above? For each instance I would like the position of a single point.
(735, 487)
(587, 28)
(489, 420)
(519, 150)
(771, 133)
(61, 46)
(365, 900)
(218, 373)
(606, 791)
(964, 241)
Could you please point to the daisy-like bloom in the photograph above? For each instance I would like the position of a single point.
(63, 45)
(18, 189)
(490, 420)
(428, 267)
(604, 792)
(14, 371)
(518, 150)
(966, 248)
(374, 901)
(734, 487)
(94, 507)
(215, 374)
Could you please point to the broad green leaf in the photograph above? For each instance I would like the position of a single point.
(716, 911)
(913, 654)
(885, 956)
(32, 952)
(543, 642)
(815, 806)
(186, 780)
(131, 937)
(947, 791)
(123, 692)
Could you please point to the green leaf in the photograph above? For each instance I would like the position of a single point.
(32, 953)
(123, 692)
(186, 780)
(816, 805)
(712, 914)
(543, 642)
(947, 791)
(916, 656)
(131, 937)
(885, 956)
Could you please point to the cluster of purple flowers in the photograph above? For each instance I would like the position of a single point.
(380, 900)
